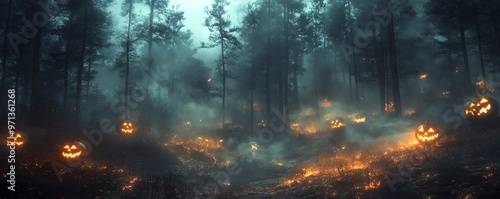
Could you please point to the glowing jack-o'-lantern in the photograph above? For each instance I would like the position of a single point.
(127, 127)
(427, 133)
(295, 127)
(262, 124)
(359, 119)
(337, 123)
(73, 150)
(481, 109)
(18, 140)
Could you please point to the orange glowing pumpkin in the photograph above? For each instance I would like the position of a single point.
(427, 133)
(338, 122)
(18, 140)
(73, 150)
(481, 109)
(127, 127)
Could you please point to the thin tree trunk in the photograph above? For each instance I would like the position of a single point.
(495, 28)
(35, 75)
(66, 71)
(478, 33)
(16, 83)
(4, 56)
(150, 32)
(296, 104)
(452, 68)
(316, 77)
(252, 87)
(80, 67)
(381, 75)
(355, 71)
(464, 49)
(394, 70)
(223, 75)
(127, 51)
(268, 63)
(89, 71)
(287, 57)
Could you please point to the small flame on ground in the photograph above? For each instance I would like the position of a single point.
(423, 76)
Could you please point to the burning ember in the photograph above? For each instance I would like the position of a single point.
(295, 127)
(326, 103)
(262, 124)
(255, 146)
(311, 130)
(446, 93)
(410, 112)
(298, 129)
(389, 107)
(423, 76)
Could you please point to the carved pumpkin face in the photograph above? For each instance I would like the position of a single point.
(427, 133)
(18, 140)
(337, 123)
(359, 119)
(481, 109)
(73, 150)
(127, 127)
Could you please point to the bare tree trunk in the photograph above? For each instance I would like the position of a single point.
(316, 74)
(268, 63)
(478, 33)
(394, 69)
(287, 61)
(80, 68)
(150, 32)
(252, 74)
(127, 51)
(296, 104)
(452, 68)
(35, 75)
(89, 71)
(223, 77)
(464, 49)
(495, 28)
(381, 75)
(66, 71)
(4, 57)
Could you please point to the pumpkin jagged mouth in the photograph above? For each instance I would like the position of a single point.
(71, 155)
(426, 137)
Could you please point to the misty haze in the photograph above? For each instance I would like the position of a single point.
(250, 98)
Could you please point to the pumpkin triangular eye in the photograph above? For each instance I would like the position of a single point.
(431, 130)
(66, 147)
(421, 129)
(484, 100)
(18, 135)
(73, 147)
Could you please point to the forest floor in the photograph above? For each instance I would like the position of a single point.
(465, 164)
